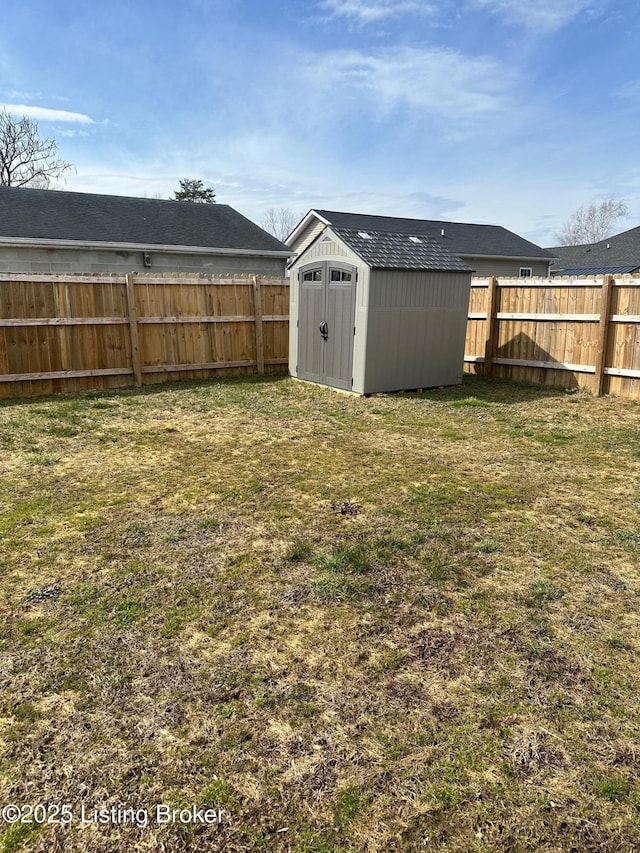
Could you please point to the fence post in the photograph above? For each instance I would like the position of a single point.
(603, 335)
(491, 341)
(257, 310)
(133, 329)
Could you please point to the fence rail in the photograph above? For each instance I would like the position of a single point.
(73, 333)
(573, 332)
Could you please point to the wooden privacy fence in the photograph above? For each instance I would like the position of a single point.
(75, 333)
(571, 332)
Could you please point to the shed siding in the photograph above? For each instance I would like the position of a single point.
(416, 328)
(53, 260)
(294, 314)
(506, 268)
(327, 250)
(408, 290)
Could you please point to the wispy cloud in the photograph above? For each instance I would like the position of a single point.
(23, 96)
(364, 12)
(435, 81)
(544, 15)
(44, 114)
(411, 205)
(72, 133)
(629, 90)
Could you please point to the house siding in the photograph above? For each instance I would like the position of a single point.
(307, 237)
(505, 267)
(58, 260)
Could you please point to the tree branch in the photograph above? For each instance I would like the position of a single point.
(25, 159)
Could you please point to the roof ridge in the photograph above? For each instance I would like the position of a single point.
(409, 218)
(98, 195)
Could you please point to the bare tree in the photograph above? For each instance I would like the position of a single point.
(192, 189)
(592, 223)
(25, 159)
(280, 221)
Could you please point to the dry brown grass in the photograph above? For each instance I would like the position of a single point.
(390, 624)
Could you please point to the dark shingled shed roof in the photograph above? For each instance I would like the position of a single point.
(381, 250)
(460, 238)
(88, 218)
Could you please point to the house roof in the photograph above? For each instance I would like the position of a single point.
(383, 250)
(60, 216)
(460, 238)
(597, 270)
(621, 250)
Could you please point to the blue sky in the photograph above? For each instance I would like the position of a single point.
(498, 111)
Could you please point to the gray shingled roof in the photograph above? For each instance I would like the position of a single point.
(57, 215)
(382, 250)
(597, 270)
(623, 251)
(460, 238)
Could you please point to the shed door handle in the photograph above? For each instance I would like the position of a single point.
(324, 330)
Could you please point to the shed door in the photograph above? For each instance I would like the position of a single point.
(311, 310)
(326, 321)
(340, 315)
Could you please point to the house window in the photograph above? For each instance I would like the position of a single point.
(526, 272)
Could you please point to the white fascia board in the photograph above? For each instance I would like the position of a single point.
(20, 242)
(302, 225)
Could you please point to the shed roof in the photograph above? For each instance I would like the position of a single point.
(460, 238)
(30, 214)
(382, 250)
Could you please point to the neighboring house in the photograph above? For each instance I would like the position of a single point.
(373, 311)
(615, 255)
(487, 249)
(51, 231)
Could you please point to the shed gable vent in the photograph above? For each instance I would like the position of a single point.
(364, 235)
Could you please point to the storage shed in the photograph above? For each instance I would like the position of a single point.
(374, 311)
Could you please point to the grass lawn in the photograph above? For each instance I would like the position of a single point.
(401, 623)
